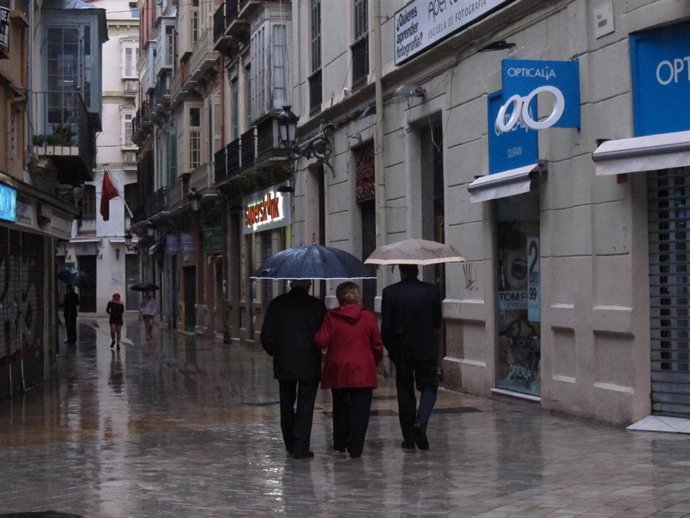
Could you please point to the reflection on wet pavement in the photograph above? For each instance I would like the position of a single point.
(189, 427)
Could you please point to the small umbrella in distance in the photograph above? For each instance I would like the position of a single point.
(144, 286)
(313, 262)
(414, 251)
(76, 278)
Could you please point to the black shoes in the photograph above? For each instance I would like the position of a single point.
(303, 455)
(407, 446)
(112, 344)
(420, 437)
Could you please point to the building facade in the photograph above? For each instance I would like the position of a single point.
(50, 107)
(505, 128)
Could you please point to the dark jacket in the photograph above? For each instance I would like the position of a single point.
(353, 342)
(410, 319)
(69, 304)
(287, 334)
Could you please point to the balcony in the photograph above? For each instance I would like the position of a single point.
(203, 64)
(141, 123)
(161, 97)
(232, 158)
(268, 148)
(66, 136)
(219, 166)
(247, 7)
(161, 200)
(248, 148)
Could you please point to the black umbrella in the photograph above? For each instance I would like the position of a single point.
(313, 262)
(144, 286)
(76, 278)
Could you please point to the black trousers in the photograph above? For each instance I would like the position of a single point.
(71, 326)
(351, 408)
(296, 421)
(423, 374)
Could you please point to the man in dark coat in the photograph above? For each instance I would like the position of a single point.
(291, 321)
(410, 321)
(69, 307)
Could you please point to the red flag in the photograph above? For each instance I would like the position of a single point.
(108, 192)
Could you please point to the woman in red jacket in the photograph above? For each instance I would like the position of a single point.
(353, 344)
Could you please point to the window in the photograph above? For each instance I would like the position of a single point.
(171, 161)
(130, 54)
(195, 21)
(315, 35)
(127, 118)
(169, 45)
(248, 94)
(88, 202)
(234, 108)
(360, 47)
(279, 66)
(63, 74)
(258, 73)
(194, 138)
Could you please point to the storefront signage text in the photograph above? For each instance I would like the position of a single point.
(421, 23)
(266, 210)
(661, 80)
(523, 81)
(8, 203)
(512, 300)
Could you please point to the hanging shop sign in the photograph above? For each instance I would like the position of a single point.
(524, 82)
(213, 240)
(511, 149)
(266, 210)
(8, 203)
(422, 23)
(660, 68)
(187, 245)
(4, 29)
(172, 244)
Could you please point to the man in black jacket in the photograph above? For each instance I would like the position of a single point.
(287, 335)
(410, 321)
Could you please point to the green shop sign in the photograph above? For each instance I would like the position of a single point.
(213, 240)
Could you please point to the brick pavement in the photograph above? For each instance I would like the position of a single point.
(186, 427)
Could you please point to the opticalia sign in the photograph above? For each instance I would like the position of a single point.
(523, 81)
(515, 147)
(661, 80)
(8, 203)
(421, 23)
(265, 210)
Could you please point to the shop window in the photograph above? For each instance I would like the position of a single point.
(88, 203)
(518, 297)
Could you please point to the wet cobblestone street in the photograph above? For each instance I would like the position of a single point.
(188, 427)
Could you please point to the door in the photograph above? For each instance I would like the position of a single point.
(518, 356)
(132, 274)
(87, 295)
(669, 290)
(189, 298)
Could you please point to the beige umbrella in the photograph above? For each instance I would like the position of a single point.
(414, 251)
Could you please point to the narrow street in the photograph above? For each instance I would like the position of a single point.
(187, 427)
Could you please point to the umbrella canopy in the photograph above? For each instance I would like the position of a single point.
(75, 278)
(414, 251)
(313, 262)
(144, 286)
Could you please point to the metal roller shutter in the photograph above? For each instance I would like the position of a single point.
(669, 245)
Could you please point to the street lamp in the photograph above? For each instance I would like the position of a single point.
(194, 198)
(318, 147)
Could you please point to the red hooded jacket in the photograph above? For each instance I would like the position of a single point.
(350, 335)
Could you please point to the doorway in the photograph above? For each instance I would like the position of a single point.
(87, 294)
(189, 273)
(518, 319)
(132, 274)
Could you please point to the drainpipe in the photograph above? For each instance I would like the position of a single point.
(379, 160)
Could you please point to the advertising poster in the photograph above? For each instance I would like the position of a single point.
(533, 293)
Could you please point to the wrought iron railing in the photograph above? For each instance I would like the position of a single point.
(231, 9)
(232, 157)
(315, 92)
(360, 63)
(161, 199)
(248, 149)
(219, 23)
(219, 166)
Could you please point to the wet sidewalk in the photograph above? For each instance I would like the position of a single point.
(185, 427)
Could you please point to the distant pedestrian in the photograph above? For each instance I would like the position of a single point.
(350, 335)
(148, 312)
(410, 321)
(115, 309)
(70, 306)
(287, 335)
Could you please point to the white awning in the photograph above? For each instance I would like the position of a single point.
(503, 184)
(651, 153)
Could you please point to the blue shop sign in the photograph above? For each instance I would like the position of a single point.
(8, 203)
(525, 80)
(511, 149)
(660, 67)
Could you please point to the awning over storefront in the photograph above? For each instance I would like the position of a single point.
(633, 155)
(503, 184)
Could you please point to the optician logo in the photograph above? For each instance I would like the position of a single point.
(673, 71)
(521, 112)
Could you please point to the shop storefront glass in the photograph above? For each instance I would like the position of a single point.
(518, 297)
